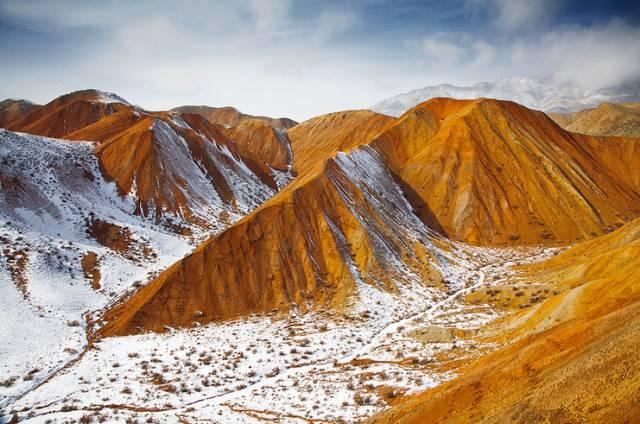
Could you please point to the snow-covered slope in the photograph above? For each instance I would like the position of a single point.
(71, 243)
(535, 94)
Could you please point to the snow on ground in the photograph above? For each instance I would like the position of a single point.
(328, 366)
(51, 191)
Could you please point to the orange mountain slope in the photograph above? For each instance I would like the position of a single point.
(12, 111)
(69, 113)
(230, 117)
(572, 358)
(608, 119)
(268, 147)
(494, 172)
(174, 164)
(319, 138)
(433, 170)
(178, 164)
(311, 244)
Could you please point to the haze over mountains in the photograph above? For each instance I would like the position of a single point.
(450, 260)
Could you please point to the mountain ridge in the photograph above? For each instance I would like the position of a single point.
(335, 201)
(533, 93)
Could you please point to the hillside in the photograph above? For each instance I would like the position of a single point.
(12, 110)
(493, 172)
(485, 172)
(230, 117)
(310, 245)
(83, 222)
(69, 113)
(567, 359)
(175, 169)
(608, 119)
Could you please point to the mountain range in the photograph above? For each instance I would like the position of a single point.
(537, 94)
(449, 260)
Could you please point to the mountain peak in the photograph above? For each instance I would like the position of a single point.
(92, 94)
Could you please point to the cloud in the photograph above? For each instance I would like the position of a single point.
(295, 58)
(592, 57)
(485, 54)
(270, 14)
(515, 15)
(333, 22)
(444, 49)
(450, 49)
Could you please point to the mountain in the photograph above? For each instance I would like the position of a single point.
(82, 222)
(608, 119)
(467, 261)
(190, 172)
(230, 117)
(314, 242)
(493, 172)
(567, 358)
(532, 93)
(266, 146)
(377, 196)
(12, 110)
(69, 113)
(179, 167)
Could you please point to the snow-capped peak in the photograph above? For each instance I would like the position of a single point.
(533, 93)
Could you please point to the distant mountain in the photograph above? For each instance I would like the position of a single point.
(608, 119)
(230, 116)
(535, 94)
(12, 110)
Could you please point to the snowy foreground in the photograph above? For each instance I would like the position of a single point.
(324, 366)
(51, 192)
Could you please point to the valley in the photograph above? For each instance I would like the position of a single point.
(323, 366)
(355, 267)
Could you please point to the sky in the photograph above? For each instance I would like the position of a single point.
(301, 58)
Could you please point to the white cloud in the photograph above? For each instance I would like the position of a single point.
(265, 57)
(512, 15)
(485, 54)
(593, 57)
(270, 14)
(333, 22)
(444, 49)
